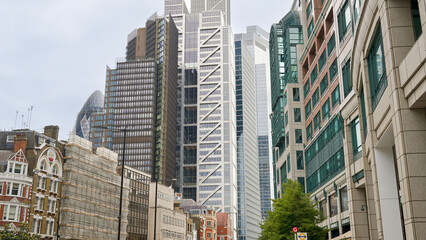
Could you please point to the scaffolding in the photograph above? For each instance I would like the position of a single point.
(91, 193)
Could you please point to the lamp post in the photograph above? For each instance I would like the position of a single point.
(124, 130)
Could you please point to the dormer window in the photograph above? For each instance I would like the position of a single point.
(43, 166)
(55, 169)
(18, 168)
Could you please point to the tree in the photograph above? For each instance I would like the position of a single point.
(294, 209)
(23, 233)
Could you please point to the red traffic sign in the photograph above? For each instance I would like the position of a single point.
(295, 229)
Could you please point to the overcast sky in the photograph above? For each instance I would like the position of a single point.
(53, 53)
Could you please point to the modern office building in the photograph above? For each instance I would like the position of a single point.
(140, 95)
(137, 217)
(94, 104)
(206, 152)
(249, 215)
(256, 41)
(90, 201)
(384, 120)
(287, 97)
(199, 6)
(361, 65)
(44, 154)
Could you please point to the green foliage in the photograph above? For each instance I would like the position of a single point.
(23, 233)
(294, 209)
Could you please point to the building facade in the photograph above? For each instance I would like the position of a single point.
(141, 97)
(167, 222)
(94, 104)
(137, 217)
(288, 117)
(90, 201)
(256, 41)
(247, 164)
(224, 230)
(384, 119)
(206, 151)
(15, 184)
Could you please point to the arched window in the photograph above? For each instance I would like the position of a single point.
(55, 169)
(43, 165)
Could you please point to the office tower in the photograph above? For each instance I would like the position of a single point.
(94, 104)
(199, 6)
(288, 120)
(140, 95)
(364, 114)
(257, 42)
(383, 113)
(206, 152)
(249, 215)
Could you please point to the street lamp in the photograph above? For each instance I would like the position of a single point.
(124, 130)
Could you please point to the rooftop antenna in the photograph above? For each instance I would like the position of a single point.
(28, 116)
(16, 118)
(22, 123)
(31, 113)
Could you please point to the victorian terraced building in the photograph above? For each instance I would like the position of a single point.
(362, 66)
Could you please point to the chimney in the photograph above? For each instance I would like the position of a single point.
(20, 142)
(52, 131)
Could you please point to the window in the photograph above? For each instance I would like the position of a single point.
(288, 162)
(324, 84)
(287, 139)
(18, 168)
(356, 139)
(310, 27)
(417, 24)
(335, 96)
(11, 213)
(37, 226)
(286, 119)
(326, 109)
(308, 109)
(53, 186)
(308, 10)
(301, 180)
(296, 94)
(332, 202)
(41, 182)
(190, 95)
(285, 98)
(317, 121)
(333, 70)
(377, 69)
(1, 188)
(346, 72)
(344, 206)
(314, 75)
(309, 132)
(297, 115)
(344, 20)
(190, 134)
(55, 169)
(15, 189)
(298, 133)
(300, 163)
(323, 207)
(364, 115)
(322, 60)
(331, 45)
(315, 98)
(43, 165)
(306, 88)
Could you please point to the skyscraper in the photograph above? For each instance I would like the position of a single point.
(206, 152)
(140, 95)
(256, 41)
(199, 6)
(249, 215)
(94, 104)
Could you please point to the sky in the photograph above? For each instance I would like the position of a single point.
(54, 53)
